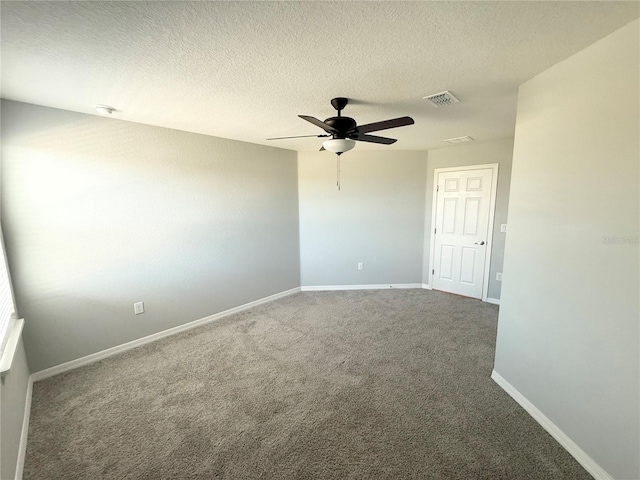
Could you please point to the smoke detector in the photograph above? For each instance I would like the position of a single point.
(104, 109)
(441, 99)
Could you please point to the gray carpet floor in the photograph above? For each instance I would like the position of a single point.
(391, 384)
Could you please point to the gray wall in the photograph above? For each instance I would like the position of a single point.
(496, 151)
(13, 395)
(100, 213)
(568, 331)
(377, 217)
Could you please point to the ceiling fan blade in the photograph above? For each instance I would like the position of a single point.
(318, 123)
(373, 139)
(298, 136)
(385, 124)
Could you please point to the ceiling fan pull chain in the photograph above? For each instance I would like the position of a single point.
(338, 171)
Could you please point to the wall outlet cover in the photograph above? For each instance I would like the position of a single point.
(138, 308)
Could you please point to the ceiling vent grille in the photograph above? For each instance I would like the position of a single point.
(442, 99)
(464, 139)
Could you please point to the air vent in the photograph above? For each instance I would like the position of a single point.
(442, 99)
(464, 139)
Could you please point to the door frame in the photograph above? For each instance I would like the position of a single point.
(492, 211)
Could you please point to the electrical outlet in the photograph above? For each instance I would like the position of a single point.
(360, 266)
(503, 227)
(499, 276)
(138, 308)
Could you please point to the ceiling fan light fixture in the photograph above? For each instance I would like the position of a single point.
(338, 145)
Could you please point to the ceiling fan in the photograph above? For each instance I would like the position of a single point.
(344, 131)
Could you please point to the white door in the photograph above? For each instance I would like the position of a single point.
(461, 236)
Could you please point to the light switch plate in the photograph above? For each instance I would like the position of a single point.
(503, 227)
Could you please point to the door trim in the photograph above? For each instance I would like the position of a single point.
(492, 211)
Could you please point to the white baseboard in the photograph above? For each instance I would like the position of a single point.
(110, 352)
(494, 301)
(24, 433)
(382, 286)
(426, 286)
(562, 438)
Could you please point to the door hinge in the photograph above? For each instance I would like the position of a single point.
(433, 272)
(437, 188)
(434, 230)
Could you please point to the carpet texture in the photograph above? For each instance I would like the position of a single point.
(391, 384)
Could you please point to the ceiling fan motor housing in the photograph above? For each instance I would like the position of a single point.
(341, 124)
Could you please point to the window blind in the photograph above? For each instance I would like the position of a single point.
(6, 297)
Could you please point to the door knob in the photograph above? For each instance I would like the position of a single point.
(480, 243)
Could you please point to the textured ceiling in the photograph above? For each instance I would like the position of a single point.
(245, 70)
